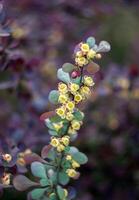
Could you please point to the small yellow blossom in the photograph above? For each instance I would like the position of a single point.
(6, 179)
(91, 54)
(71, 173)
(98, 56)
(85, 91)
(88, 81)
(54, 142)
(75, 125)
(71, 131)
(70, 105)
(61, 112)
(85, 47)
(73, 88)
(81, 61)
(75, 164)
(62, 98)
(79, 54)
(21, 161)
(60, 148)
(68, 157)
(77, 98)
(69, 116)
(62, 88)
(58, 126)
(65, 192)
(7, 157)
(65, 140)
(27, 151)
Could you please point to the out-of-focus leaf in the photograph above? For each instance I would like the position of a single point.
(32, 157)
(91, 41)
(38, 170)
(71, 193)
(45, 151)
(63, 76)
(22, 183)
(53, 96)
(104, 46)
(53, 197)
(37, 193)
(92, 68)
(47, 115)
(68, 67)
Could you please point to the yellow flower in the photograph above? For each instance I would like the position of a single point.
(60, 148)
(65, 192)
(62, 88)
(7, 157)
(21, 161)
(71, 173)
(85, 47)
(72, 131)
(58, 126)
(75, 125)
(69, 116)
(62, 98)
(6, 179)
(77, 98)
(91, 54)
(79, 54)
(88, 81)
(75, 164)
(65, 140)
(68, 157)
(73, 88)
(85, 91)
(61, 112)
(70, 105)
(81, 61)
(54, 142)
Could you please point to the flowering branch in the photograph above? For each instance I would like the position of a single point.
(59, 160)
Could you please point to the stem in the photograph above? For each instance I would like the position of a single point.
(61, 155)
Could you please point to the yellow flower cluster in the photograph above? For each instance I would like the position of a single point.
(60, 143)
(85, 54)
(72, 171)
(20, 160)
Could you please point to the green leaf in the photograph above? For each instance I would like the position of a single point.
(81, 158)
(44, 182)
(76, 80)
(38, 170)
(53, 96)
(73, 150)
(78, 115)
(91, 41)
(63, 76)
(52, 132)
(60, 192)
(51, 154)
(63, 178)
(52, 196)
(68, 67)
(37, 193)
(49, 124)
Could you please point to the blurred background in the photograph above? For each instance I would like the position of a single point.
(44, 35)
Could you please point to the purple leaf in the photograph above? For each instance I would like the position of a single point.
(22, 183)
(29, 158)
(45, 151)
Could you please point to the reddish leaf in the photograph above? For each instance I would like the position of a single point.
(29, 158)
(45, 151)
(92, 68)
(47, 115)
(22, 183)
